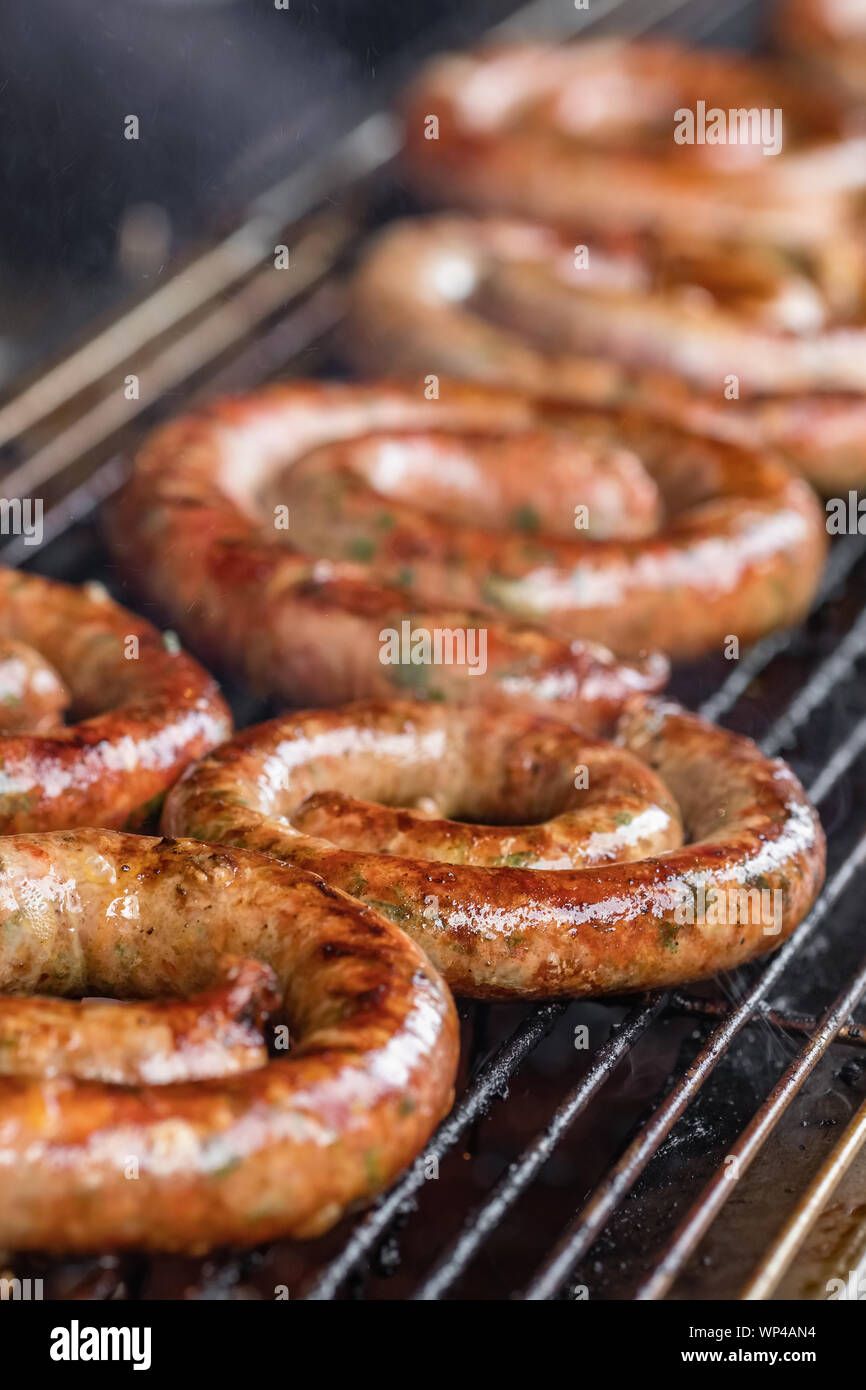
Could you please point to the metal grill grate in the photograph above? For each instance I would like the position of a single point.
(758, 1068)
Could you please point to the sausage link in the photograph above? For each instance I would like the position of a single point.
(144, 710)
(828, 41)
(663, 327)
(278, 1151)
(558, 906)
(32, 695)
(584, 136)
(740, 550)
(189, 527)
(129, 1044)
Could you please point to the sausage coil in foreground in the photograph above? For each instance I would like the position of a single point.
(143, 709)
(745, 344)
(480, 512)
(280, 1150)
(591, 134)
(596, 892)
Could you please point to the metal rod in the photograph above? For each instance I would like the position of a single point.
(588, 1224)
(853, 1033)
(778, 1259)
(489, 1084)
(177, 361)
(843, 558)
(363, 150)
(486, 1217)
(700, 1216)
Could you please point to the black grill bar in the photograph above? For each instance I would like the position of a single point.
(583, 1232)
(839, 566)
(778, 1258)
(750, 1142)
(851, 1033)
(486, 1217)
(490, 1083)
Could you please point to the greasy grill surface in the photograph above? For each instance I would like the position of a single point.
(590, 1144)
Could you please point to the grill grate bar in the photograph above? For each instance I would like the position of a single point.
(489, 1083)
(840, 564)
(200, 283)
(851, 1033)
(487, 1215)
(778, 1258)
(819, 685)
(751, 1141)
(176, 361)
(583, 1231)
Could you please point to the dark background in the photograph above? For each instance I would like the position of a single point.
(230, 95)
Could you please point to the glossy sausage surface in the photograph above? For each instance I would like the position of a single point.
(33, 698)
(749, 345)
(142, 708)
(827, 38)
(585, 135)
(276, 1151)
(560, 883)
(739, 549)
(213, 1034)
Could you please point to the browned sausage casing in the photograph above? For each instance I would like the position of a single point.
(143, 710)
(741, 343)
(212, 1034)
(277, 1151)
(828, 40)
(570, 877)
(584, 134)
(379, 473)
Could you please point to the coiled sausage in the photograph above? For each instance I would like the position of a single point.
(378, 473)
(143, 709)
(570, 878)
(586, 134)
(748, 345)
(276, 1151)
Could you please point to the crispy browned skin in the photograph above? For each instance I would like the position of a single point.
(278, 1151)
(828, 39)
(143, 711)
(495, 925)
(191, 529)
(666, 327)
(584, 135)
(32, 695)
(739, 551)
(167, 1040)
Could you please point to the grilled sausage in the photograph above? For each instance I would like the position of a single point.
(740, 549)
(593, 894)
(741, 344)
(214, 1034)
(586, 135)
(32, 695)
(278, 1151)
(144, 710)
(827, 39)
